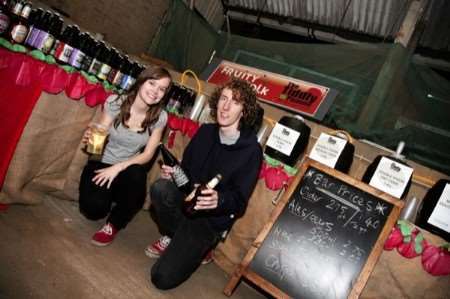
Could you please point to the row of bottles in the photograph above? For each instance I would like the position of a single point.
(184, 184)
(43, 30)
(181, 100)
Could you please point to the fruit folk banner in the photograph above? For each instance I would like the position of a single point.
(299, 96)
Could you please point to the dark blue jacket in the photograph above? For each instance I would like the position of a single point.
(239, 165)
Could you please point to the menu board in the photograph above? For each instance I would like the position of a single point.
(323, 238)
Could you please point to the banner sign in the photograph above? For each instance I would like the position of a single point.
(296, 95)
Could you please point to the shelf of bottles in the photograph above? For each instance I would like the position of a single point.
(42, 30)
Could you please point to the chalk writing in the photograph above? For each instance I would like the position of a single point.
(322, 238)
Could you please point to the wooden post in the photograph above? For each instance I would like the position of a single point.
(396, 61)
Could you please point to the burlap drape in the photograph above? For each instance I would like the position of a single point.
(48, 158)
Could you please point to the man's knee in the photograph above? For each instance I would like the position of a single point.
(159, 189)
(162, 281)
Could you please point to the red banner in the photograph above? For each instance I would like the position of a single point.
(294, 94)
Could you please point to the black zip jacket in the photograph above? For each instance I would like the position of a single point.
(239, 165)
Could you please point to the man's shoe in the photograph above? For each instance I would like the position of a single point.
(157, 248)
(105, 236)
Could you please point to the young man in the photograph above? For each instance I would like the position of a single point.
(228, 147)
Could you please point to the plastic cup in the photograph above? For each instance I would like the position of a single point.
(97, 139)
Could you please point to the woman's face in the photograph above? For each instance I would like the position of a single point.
(153, 90)
(229, 111)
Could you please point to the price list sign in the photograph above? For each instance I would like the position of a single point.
(323, 239)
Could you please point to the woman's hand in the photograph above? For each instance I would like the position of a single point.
(87, 134)
(166, 172)
(107, 175)
(208, 200)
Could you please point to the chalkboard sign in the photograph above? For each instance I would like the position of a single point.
(322, 240)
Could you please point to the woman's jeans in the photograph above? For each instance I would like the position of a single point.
(127, 192)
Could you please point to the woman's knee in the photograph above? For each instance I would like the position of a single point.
(136, 174)
(93, 209)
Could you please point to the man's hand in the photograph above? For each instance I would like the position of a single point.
(208, 200)
(166, 172)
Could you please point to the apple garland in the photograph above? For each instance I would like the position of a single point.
(31, 66)
(185, 125)
(410, 243)
(276, 174)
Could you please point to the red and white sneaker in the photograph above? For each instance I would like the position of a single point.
(157, 248)
(208, 258)
(105, 236)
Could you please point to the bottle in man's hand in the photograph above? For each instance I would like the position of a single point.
(191, 200)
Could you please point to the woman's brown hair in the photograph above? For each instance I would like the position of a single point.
(242, 92)
(152, 72)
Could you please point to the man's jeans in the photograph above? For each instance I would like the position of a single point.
(192, 238)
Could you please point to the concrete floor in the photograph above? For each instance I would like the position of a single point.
(45, 253)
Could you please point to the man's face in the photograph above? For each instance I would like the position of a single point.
(229, 111)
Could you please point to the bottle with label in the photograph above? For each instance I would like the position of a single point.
(14, 15)
(65, 48)
(334, 150)
(115, 61)
(54, 33)
(390, 174)
(88, 53)
(191, 200)
(120, 69)
(43, 29)
(434, 214)
(78, 54)
(4, 17)
(34, 21)
(129, 80)
(288, 139)
(97, 51)
(105, 67)
(173, 94)
(180, 178)
(19, 28)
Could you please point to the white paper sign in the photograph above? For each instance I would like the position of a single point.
(441, 213)
(283, 139)
(327, 149)
(391, 177)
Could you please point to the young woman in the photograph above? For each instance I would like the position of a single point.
(135, 122)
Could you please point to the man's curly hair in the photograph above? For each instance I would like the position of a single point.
(242, 92)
